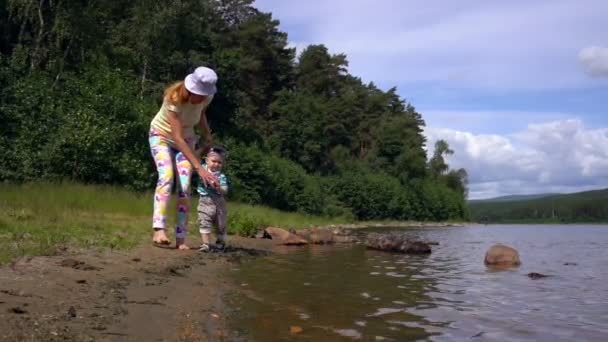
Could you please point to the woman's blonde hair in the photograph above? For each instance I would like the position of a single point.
(176, 93)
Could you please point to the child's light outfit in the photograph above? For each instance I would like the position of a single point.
(212, 207)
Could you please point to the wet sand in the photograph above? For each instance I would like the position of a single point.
(147, 294)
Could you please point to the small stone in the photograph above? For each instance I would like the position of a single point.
(294, 329)
(72, 312)
(535, 275)
(18, 310)
(260, 234)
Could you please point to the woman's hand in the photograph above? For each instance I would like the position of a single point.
(208, 178)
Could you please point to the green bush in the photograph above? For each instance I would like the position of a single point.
(244, 224)
(247, 168)
(82, 136)
(368, 195)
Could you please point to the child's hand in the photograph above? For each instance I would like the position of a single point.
(207, 177)
(215, 184)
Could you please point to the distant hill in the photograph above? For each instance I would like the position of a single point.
(513, 198)
(587, 206)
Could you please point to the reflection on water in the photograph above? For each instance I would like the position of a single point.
(350, 293)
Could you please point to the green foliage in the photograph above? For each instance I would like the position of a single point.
(437, 165)
(589, 206)
(244, 224)
(260, 177)
(80, 82)
(79, 131)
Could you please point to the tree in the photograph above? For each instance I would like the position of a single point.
(306, 134)
(437, 165)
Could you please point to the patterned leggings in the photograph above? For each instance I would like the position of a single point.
(168, 160)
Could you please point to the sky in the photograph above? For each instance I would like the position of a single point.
(519, 89)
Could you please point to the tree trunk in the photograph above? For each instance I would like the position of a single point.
(143, 78)
(62, 63)
(36, 56)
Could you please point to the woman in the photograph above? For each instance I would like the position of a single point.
(172, 141)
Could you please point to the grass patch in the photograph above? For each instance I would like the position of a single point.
(46, 218)
(245, 220)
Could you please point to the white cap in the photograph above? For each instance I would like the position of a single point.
(201, 81)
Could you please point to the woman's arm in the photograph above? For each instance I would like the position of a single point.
(203, 125)
(178, 137)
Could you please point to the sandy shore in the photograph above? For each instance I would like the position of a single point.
(147, 294)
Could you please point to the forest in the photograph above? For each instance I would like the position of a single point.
(587, 206)
(80, 81)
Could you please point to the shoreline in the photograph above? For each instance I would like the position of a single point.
(148, 293)
(397, 224)
(145, 293)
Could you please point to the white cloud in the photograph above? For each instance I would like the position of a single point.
(594, 60)
(490, 45)
(485, 121)
(557, 156)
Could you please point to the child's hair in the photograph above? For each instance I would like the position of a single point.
(215, 149)
(176, 93)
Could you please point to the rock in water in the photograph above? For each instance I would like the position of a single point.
(345, 239)
(396, 243)
(321, 236)
(501, 255)
(535, 275)
(294, 329)
(317, 236)
(284, 237)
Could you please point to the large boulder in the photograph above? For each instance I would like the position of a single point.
(321, 236)
(341, 231)
(345, 239)
(317, 236)
(284, 237)
(396, 243)
(303, 233)
(500, 255)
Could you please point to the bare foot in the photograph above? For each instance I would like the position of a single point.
(160, 237)
(183, 247)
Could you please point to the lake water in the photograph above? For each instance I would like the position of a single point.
(335, 293)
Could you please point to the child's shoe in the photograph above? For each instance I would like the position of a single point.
(220, 245)
(204, 248)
